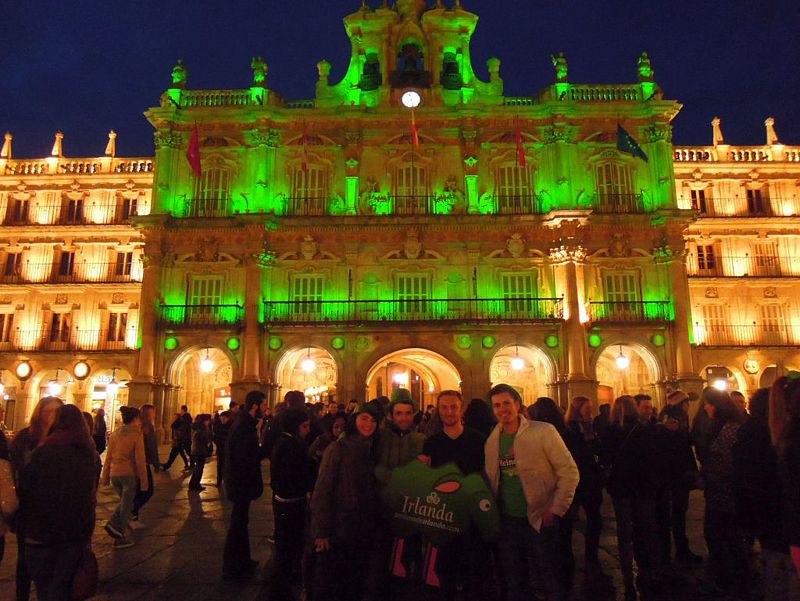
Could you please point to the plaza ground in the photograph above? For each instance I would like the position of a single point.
(178, 556)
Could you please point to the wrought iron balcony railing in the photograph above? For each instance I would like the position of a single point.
(79, 273)
(746, 335)
(307, 206)
(68, 213)
(73, 339)
(631, 311)
(763, 266)
(207, 207)
(618, 203)
(211, 316)
(523, 204)
(484, 310)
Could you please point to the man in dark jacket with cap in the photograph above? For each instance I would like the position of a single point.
(243, 484)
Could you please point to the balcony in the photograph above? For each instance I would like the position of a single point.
(76, 213)
(745, 335)
(81, 273)
(206, 316)
(307, 206)
(79, 166)
(206, 207)
(69, 340)
(630, 311)
(618, 203)
(452, 311)
(738, 208)
(524, 204)
(759, 266)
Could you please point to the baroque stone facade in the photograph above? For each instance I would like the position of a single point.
(348, 244)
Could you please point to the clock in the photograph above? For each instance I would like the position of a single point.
(411, 99)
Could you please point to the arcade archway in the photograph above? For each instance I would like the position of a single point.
(528, 369)
(202, 379)
(312, 370)
(623, 369)
(423, 372)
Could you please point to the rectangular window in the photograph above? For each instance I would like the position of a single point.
(21, 211)
(212, 192)
(411, 293)
(66, 263)
(757, 203)
(13, 264)
(6, 326)
(513, 189)
(307, 293)
(310, 191)
(127, 209)
(614, 181)
(517, 293)
(765, 260)
(715, 324)
(117, 327)
(699, 201)
(773, 324)
(706, 259)
(206, 290)
(621, 287)
(59, 327)
(72, 211)
(124, 263)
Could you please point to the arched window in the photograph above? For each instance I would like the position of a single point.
(211, 193)
(615, 192)
(513, 188)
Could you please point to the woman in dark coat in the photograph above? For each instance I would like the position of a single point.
(201, 449)
(57, 504)
(344, 508)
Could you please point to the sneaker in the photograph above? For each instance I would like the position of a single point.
(113, 531)
(136, 524)
(123, 543)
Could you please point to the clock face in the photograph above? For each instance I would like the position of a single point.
(410, 99)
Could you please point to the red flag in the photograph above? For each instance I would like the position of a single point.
(193, 152)
(520, 149)
(304, 163)
(414, 130)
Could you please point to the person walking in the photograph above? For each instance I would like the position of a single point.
(57, 493)
(22, 447)
(143, 495)
(292, 478)
(587, 453)
(243, 485)
(177, 434)
(221, 429)
(126, 470)
(99, 430)
(344, 510)
(201, 450)
(534, 477)
(8, 493)
(724, 536)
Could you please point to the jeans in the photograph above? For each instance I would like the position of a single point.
(781, 582)
(636, 531)
(23, 575)
(727, 558)
(143, 496)
(673, 503)
(290, 521)
(236, 555)
(126, 487)
(173, 455)
(594, 524)
(53, 567)
(199, 462)
(519, 542)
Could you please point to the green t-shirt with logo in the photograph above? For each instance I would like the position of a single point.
(512, 497)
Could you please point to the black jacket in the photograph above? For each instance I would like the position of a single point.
(291, 469)
(243, 480)
(221, 432)
(587, 452)
(57, 492)
(634, 461)
(789, 472)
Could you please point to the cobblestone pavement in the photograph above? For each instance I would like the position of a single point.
(178, 555)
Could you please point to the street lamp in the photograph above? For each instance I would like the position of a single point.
(517, 363)
(308, 365)
(206, 364)
(2, 386)
(622, 361)
(113, 386)
(54, 387)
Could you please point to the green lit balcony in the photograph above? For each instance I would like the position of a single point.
(205, 316)
(206, 207)
(618, 203)
(474, 311)
(631, 311)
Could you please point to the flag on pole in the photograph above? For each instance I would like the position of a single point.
(414, 130)
(520, 149)
(304, 162)
(193, 152)
(626, 143)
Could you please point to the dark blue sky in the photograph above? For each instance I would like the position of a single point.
(87, 66)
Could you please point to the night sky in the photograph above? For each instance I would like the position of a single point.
(89, 66)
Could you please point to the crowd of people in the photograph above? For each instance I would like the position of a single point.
(331, 464)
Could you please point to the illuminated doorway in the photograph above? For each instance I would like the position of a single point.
(311, 370)
(528, 369)
(423, 372)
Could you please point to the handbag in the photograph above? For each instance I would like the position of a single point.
(84, 583)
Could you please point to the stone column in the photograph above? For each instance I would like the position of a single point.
(141, 386)
(685, 373)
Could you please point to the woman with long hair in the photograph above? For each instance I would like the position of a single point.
(344, 509)
(57, 494)
(722, 530)
(143, 495)
(22, 447)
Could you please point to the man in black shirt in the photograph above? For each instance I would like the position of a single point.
(460, 559)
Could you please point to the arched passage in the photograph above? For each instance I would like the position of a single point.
(425, 373)
(312, 370)
(527, 368)
(202, 379)
(626, 368)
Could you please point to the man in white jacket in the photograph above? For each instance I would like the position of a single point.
(534, 477)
